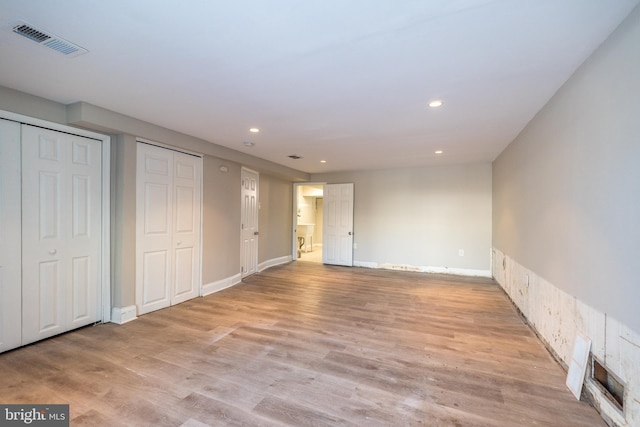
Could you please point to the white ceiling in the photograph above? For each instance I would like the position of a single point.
(346, 81)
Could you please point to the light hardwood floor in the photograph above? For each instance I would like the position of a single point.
(308, 345)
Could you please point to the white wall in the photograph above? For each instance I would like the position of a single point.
(566, 212)
(420, 218)
(567, 190)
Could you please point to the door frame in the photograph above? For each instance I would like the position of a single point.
(104, 293)
(294, 220)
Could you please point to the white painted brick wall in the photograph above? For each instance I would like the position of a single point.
(558, 317)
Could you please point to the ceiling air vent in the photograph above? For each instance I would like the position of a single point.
(46, 39)
(31, 33)
(294, 157)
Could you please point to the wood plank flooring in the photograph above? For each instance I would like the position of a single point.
(308, 345)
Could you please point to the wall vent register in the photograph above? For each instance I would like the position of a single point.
(610, 385)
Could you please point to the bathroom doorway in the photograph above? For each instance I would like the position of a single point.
(308, 206)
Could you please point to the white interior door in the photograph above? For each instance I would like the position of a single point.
(10, 238)
(249, 212)
(337, 245)
(186, 226)
(168, 203)
(61, 232)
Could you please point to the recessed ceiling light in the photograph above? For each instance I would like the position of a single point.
(249, 144)
(254, 130)
(323, 161)
(439, 151)
(436, 103)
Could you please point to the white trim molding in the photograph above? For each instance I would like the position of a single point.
(219, 285)
(273, 262)
(122, 315)
(425, 269)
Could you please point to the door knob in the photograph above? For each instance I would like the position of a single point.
(52, 252)
(178, 242)
(349, 233)
(255, 233)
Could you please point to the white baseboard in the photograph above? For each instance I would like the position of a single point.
(273, 262)
(122, 315)
(365, 264)
(423, 269)
(219, 285)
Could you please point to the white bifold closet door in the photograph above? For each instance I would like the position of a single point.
(168, 209)
(61, 232)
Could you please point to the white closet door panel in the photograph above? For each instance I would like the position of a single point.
(187, 182)
(185, 207)
(49, 206)
(43, 243)
(84, 238)
(156, 210)
(153, 228)
(10, 238)
(81, 195)
(48, 319)
(155, 276)
(61, 234)
(81, 301)
(184, 277)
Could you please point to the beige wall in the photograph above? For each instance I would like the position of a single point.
(422, 217)
(221, 220)
(123, 229)
(32, 106)
(221, 191)
(566, 192)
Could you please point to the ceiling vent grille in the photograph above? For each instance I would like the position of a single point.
(46, 39)
(31, 33)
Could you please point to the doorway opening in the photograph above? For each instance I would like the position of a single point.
(308, 216)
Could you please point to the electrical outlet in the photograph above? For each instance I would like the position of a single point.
(460, 252)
